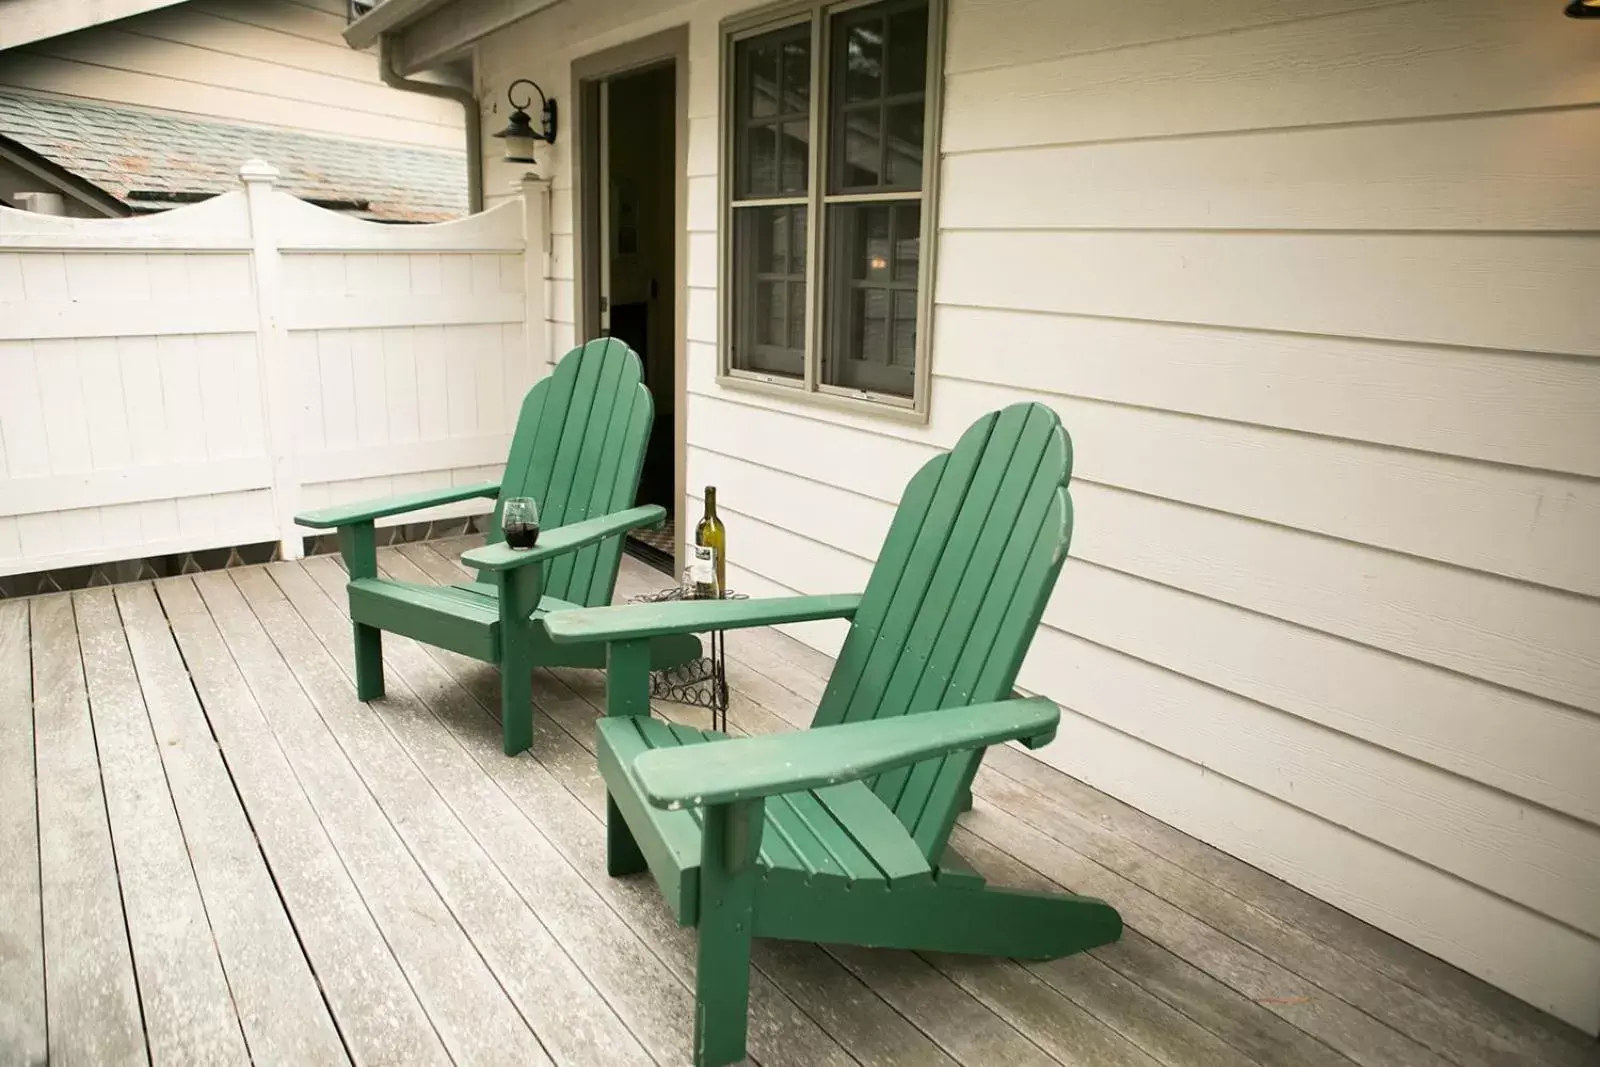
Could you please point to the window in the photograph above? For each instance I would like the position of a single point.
(828, 109)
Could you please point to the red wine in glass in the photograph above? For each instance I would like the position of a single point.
(522, 534)
(520, 522)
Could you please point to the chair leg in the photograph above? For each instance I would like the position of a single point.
(623, 856)
(516, 705)
(730, 843)
(369, 662)
(722, 984)
(518, 591)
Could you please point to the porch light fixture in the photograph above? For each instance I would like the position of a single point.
(519, 134)
(1583, 9)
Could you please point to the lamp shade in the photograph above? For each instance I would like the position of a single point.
(519, 138)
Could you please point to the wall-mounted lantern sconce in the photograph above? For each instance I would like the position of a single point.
(519, 134)
(1583, 9)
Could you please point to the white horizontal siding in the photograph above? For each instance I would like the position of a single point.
(1523, 171)
(1311, 284)
(1397, 62)
(1489, 291)
(269, 62)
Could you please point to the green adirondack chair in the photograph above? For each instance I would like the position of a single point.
(838, 833)
(578, 448)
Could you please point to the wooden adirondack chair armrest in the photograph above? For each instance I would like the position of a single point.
(753, 768)
(563, 539)
(630, 622)
(367, 510)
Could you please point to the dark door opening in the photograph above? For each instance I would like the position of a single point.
(632, 201)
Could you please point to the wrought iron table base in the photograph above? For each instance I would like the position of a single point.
(700, 683)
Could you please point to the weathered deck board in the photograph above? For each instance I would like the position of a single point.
(656, 1007)
(1386, 1000)
(284, 1016)
(91, 997)
(780, 1035)
(22, 1011)
(411, 882)
(464, 1001)
(188, 1010)
(377, 1012)
(1490, 1015)
(1046, 1014)
(866, 1025)
(1360, 1037)
(1162, 991)
(550, 991)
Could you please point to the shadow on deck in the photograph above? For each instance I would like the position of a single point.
(233, 860)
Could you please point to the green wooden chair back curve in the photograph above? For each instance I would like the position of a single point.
(578, 451)
(955, 597)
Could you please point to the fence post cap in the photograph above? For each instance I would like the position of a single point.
(258, 170)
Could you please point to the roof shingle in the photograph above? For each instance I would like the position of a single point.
(122, 149)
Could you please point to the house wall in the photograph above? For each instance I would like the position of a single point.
(272, 62)
(1311, 283)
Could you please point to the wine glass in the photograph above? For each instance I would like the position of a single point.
(519, 521)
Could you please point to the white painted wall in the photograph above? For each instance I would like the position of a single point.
(190, 380)
(1311, 282)
(267, 62)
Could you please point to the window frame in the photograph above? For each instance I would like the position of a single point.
(810, 388)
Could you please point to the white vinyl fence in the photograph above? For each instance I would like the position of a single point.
(190, 380)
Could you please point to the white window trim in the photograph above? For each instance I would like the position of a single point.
(811, 390)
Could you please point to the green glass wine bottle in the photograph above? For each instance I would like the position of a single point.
(711, 534)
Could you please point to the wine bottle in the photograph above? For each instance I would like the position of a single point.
(711, 575)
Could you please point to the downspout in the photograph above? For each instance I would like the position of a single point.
(469, 104)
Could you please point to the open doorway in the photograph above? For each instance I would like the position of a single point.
(631, 247)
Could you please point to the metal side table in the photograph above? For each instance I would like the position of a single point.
(700, 683)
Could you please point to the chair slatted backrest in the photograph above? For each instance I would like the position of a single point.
(578, 451)
(955, 597)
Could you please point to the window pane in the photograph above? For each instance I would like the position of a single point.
(871, 313)
(772, 254)
(797, 315)
(869, 327)
(905, 145)
(797, 74)
(796, 158)
(904, 353)
(859, 145)
(772, 101)
(868, 232)
(861, 59)
(797, 241)
(908, 51)
(762, 83)
(761, 162)
(879, 56)
(907, 241)
(769, 290)
(768, 320)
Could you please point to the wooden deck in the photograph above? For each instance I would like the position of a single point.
(231, 859)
